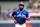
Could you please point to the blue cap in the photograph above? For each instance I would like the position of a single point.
(21, 3)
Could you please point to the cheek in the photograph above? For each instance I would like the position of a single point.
(22, 6)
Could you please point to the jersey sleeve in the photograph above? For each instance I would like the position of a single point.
(14, 13)
(27, 14)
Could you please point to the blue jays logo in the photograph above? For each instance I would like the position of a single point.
(21, 15)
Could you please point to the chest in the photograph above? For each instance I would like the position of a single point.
(20, 13)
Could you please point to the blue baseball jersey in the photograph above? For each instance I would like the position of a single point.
(20, 16)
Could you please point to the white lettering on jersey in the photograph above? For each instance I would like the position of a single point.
(18, 15)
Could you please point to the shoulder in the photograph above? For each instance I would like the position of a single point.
(25, 10)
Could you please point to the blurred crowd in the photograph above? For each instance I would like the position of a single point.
(31, 8)
(34, 7)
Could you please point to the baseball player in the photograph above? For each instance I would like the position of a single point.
(20, 15)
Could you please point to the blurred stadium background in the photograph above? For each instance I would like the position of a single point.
(8, 6)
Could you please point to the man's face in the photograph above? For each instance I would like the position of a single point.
(20, 6)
